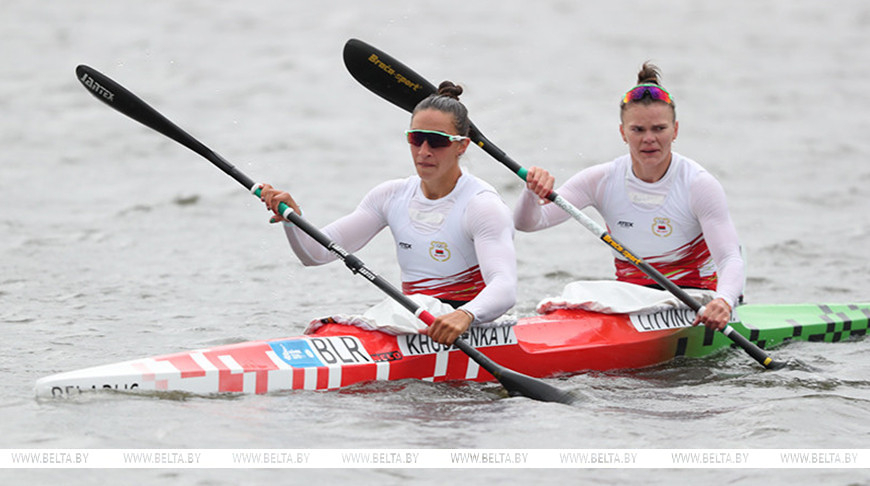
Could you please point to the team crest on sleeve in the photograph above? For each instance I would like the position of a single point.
(439, 251)
(662, 227)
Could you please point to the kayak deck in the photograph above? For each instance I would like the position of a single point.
(558, 343)
(772, 325)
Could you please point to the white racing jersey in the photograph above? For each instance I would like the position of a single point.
(679, 224)
(458, 248)
(435, 252)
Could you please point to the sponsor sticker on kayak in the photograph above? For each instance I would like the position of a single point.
(478, 337)
(672, 319)
(321, 351)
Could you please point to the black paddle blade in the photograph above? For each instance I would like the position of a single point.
(113, 94)
(385, 76)
(517, 384)
(777, 365)
(124, 101)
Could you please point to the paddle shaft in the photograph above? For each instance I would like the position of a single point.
(124, 101)
(392, 80)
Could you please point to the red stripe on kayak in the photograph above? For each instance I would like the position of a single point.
(457, 366)
(231, 382)
(227, 380)
(322, 378)
(187, 366)
(423, 362)
(298, 378)
(262, 383)
(358, 373)
(147, 374)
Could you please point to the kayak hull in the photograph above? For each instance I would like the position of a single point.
(558, 343)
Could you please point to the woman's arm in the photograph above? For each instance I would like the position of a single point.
(532, 213)
(488, 221)
(711, 208)
(351, 232)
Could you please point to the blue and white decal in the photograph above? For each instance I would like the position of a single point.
(321, 351)
(296, 352)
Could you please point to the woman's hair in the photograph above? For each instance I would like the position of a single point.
(446, 100)
(649, 74)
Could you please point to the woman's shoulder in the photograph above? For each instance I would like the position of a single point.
(616, 166)
(394, 186)
(692, 171)
(703, 185)
(475, 183)
(380, 197)
(686, 163)
(590, 177)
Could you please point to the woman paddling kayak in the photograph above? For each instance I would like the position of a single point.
(453, 233)
(661, 204)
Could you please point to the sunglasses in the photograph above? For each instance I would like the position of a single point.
(655, 92)
(433, 138)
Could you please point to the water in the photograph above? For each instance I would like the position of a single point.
(118, 243)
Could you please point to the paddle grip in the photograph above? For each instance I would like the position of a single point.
(426, 317)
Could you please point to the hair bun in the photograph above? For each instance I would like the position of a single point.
(447, 88)
(446, 100)
(649, 74)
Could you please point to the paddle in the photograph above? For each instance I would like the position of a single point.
(122, 100)
(390, 79)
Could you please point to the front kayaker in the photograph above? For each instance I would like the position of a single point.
(453, 232)
(664, 206)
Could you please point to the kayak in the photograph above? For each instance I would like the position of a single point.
(554, 344)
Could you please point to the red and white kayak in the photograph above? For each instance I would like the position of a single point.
(558, 343)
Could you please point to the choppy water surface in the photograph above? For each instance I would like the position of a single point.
(117, 243)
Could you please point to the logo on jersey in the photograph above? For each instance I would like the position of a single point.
(439, 251)
(662, 227)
